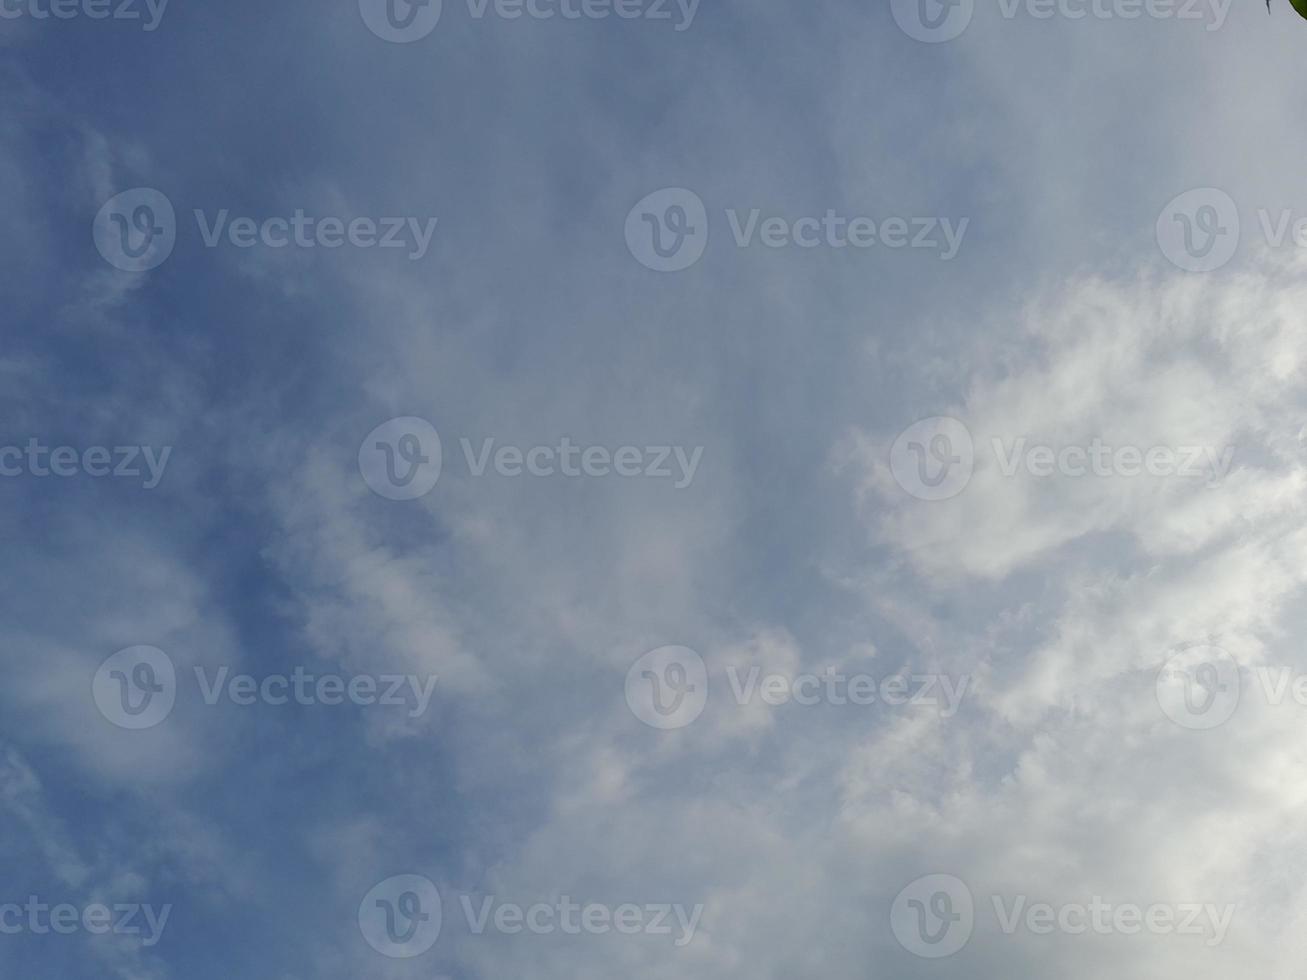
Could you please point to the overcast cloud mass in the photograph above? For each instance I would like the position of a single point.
(720, 490)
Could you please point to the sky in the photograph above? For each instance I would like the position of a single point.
(720, 489)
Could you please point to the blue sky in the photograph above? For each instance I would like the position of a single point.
(763, 494)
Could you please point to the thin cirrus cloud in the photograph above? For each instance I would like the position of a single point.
(795, 548)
